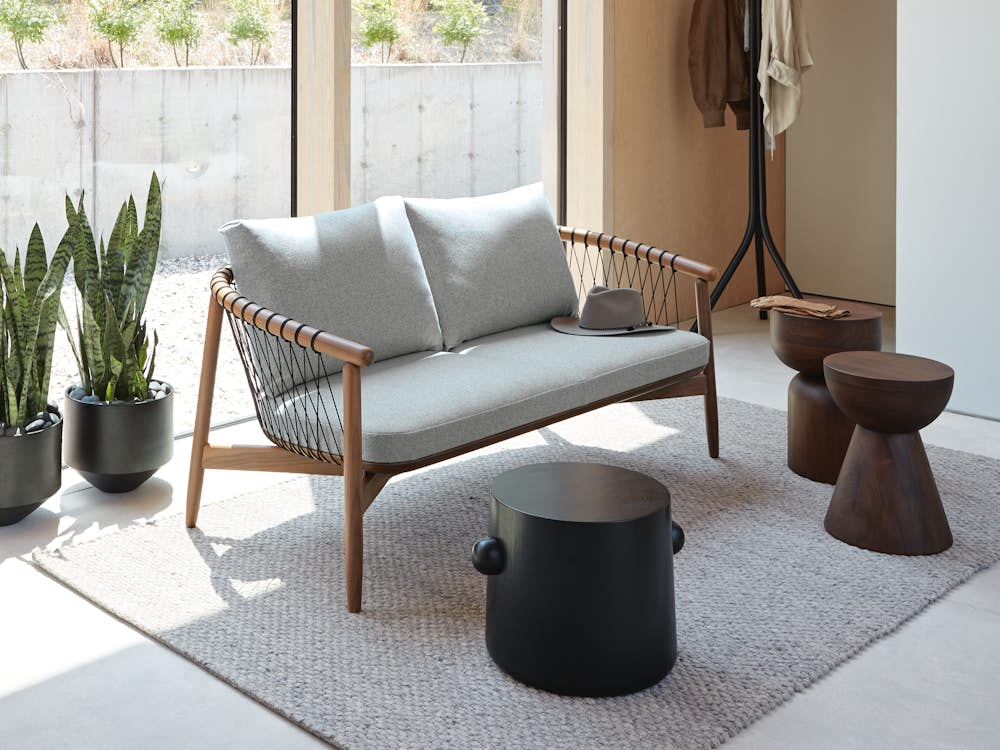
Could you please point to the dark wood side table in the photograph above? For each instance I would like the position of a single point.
(886, 499)
(818, 432)
(580, 596)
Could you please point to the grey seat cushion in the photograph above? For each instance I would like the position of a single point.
(494, 262)
(422, 404)
(356, 273)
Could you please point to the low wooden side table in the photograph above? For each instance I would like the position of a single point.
(818, 432)
(886, 499)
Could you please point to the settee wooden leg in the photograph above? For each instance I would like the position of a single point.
(353, 487)
(712, 419)
(203, 416)
(704, 310)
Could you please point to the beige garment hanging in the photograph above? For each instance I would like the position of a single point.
(784, 57)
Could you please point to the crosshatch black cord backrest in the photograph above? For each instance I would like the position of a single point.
(304, 419)
(633, 266)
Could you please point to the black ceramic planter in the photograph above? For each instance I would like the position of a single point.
(30, 471)
(117, 447)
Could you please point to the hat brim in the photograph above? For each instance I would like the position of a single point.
(571, 325)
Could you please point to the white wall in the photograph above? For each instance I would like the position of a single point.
(948, 193)
(841, 189)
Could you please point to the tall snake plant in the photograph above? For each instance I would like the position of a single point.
(30, 308)
(110, 342)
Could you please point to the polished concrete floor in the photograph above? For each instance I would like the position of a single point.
(74, 676)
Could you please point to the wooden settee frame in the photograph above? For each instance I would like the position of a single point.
(363, 480)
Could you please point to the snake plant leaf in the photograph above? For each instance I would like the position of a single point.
(12, 417)
(86, 264)
(114, 346)
(139, 275)
(133, 224)
(45, 346)
(16, 268)
(113, 266)
(152, 357)
(64, 324)
(53, 280)
(35, 263)
(91, 346)
(86, 379)
(5, 402)
(15, 321)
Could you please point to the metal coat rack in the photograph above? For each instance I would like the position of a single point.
(758, 229)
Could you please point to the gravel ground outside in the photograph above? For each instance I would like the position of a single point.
(177, 307)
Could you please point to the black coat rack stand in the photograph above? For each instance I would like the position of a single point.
(758, 229)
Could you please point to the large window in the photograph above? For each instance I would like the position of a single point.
(446, 97)
(96, 113)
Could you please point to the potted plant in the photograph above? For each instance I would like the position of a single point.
(30, 427)
(119, 421)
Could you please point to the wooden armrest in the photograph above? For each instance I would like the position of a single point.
(226, 294)
(679, 263)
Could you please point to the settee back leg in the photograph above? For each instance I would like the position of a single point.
(353, 487)
(203, 416)
(704, 311)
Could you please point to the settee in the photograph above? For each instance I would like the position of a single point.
(383, 338)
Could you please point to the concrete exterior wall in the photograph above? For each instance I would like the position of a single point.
(220, 140)
(445, 130)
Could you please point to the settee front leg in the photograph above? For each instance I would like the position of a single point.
(704, 311)
(203, 416)
(353, 486)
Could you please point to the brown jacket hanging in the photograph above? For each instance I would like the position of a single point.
(718, 62)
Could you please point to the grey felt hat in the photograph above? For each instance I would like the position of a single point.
(608, 312)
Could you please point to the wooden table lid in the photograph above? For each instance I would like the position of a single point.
(858, 310)
(899, 370)
(580, 492)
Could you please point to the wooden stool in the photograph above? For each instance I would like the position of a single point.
(818, 432)
(886, 499)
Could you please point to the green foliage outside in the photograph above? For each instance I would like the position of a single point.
(379, 25)
(28, 313)
(251, 23)
(113, 352)
(25, 21)
(461, 23)
(118, 22)
(177, 24)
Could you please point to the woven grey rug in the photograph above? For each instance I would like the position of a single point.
(767, 603)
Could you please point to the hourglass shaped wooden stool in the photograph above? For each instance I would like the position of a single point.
(886, 499)
(818, 432)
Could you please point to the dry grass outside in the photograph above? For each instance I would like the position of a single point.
(73, 43)
(513, 32)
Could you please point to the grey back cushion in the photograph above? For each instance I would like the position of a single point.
(494, 262)
(355, 273)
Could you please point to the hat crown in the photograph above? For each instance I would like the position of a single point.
(606, 309)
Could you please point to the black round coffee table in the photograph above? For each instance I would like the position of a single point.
(580, 597)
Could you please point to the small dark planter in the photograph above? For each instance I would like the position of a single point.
(117, 447)
(30, 471)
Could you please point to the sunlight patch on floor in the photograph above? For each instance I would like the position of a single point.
(622, 427)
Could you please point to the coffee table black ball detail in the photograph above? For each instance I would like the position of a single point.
(580, 596)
